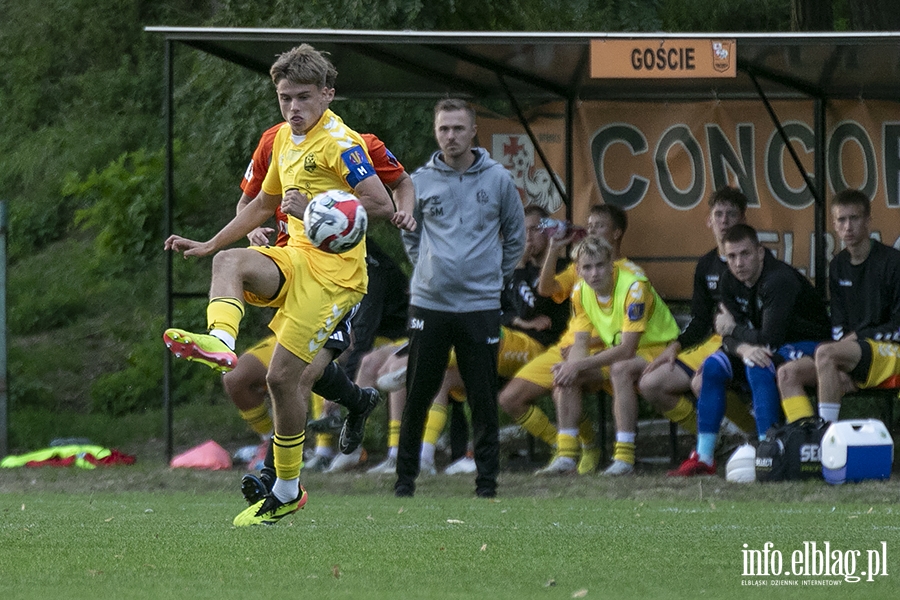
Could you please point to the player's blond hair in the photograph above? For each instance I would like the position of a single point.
(304, 64)
(593, 247)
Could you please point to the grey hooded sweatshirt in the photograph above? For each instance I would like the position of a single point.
(470, 235)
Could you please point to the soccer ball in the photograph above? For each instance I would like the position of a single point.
(335, 221)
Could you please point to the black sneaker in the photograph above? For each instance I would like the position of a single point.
(404, 492)
(355, 423)
(327, 424)
(255, 488)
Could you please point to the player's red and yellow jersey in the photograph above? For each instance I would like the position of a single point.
(330, 156)
(256, 173)
(387, 167)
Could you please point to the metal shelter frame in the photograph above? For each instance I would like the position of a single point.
(538, 67)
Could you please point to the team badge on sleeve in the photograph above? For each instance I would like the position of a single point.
(636, 304)
(636, 311)
(358, 163)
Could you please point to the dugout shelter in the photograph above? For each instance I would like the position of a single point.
(561, 102)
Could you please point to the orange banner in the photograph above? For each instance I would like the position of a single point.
(661, 161)
(663, 58)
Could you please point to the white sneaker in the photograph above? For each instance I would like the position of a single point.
(393, 381)
(345, 462)
(317, 464)
(388, 467)
(463, 465)
(427, 468)
(561, 465)
(618, 468)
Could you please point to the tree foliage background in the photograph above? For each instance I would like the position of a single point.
(82, 137)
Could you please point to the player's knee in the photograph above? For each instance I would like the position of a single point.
(826, 357)
(226, 260)
(787, 375)
(649, 385)
(716, 371)
(512, 401)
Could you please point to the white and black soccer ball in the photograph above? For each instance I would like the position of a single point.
(335, 221)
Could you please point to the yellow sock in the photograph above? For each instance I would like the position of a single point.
(567, 446)
(318, 405)
(393, 437)
(288, 451)
(535, 422)
(586, 431)
(624, 451)
(738, 412)
(796, 407)
(224, 314)
(258, 418)
(684, 414)
(434, 426)
(324, 440)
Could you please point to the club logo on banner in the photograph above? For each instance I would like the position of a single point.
(516, 153)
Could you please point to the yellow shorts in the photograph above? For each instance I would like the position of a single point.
(308, 309)
(263, 350)
(381, 341)
(539, 370)
(885, 363)
(694, 357)
(517, 349)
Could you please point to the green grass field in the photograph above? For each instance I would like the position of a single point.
(150, 532)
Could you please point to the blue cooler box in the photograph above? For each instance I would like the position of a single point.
(855, 450)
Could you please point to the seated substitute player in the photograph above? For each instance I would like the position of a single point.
(246, 383)
(556, 281)
(771, 314)
(666, 382)
(864, 281)
(529, 324)
(615, 300)
(313, 290)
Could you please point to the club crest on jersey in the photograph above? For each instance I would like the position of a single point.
(482, 197)
(636, 311)
(309, 162)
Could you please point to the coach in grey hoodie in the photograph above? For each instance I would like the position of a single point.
(470, 236)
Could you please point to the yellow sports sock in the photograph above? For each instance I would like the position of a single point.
(393, 437)
(684, 414)
(434, 426)
(567, 446)
(318, 405)
(586, 431)
(288, 451)
(624, 451)
(738, 412)
(258, 418)
(535, 422)
(324, 440)
(225, 314)
(796, 407)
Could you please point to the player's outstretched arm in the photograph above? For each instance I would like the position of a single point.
(255, 214)
(405, 199)
(374, 198)
(260, 235)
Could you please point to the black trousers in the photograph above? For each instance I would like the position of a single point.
(476, 338)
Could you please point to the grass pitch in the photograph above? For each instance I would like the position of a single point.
(150, 532)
